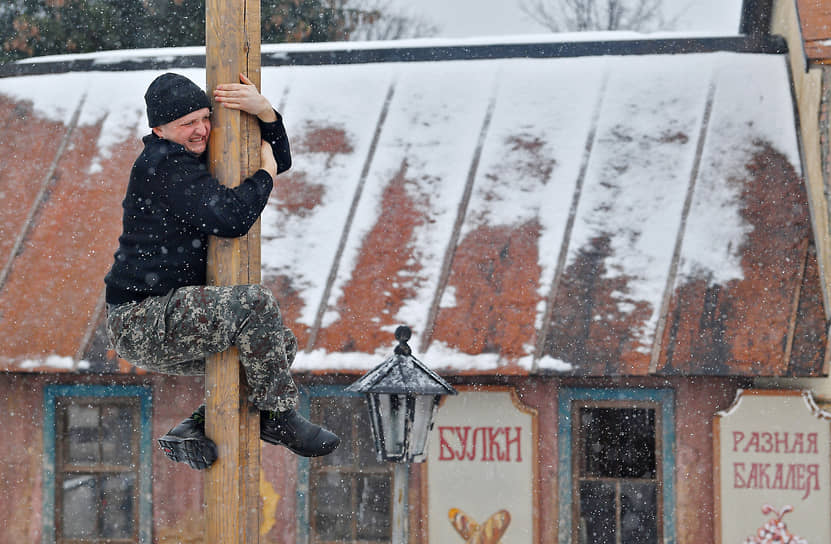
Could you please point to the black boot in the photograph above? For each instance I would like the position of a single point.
(295, 432)
(187, 443)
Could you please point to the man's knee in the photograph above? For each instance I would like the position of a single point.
(259, 291)
(258, 299)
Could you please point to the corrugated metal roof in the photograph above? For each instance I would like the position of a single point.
(815, 20)
(584, 216)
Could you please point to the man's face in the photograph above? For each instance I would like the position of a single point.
(191, 131)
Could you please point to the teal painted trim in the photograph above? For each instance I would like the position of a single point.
(665, 398)
(146, 460)
(564, 465)
(145, 506)
(48, 516)
(668, 406)
(304, 405)
(302, 492)
(329, 391)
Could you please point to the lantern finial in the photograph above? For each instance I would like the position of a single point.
(402, 334)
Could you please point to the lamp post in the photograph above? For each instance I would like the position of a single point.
(403, 396)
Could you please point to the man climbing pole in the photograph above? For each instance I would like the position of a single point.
(161, 315)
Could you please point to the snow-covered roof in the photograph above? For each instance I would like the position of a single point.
(596, 215)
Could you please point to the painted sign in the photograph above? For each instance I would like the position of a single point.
(481, 470)
(772, 478)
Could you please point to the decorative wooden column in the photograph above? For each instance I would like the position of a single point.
(232, 484)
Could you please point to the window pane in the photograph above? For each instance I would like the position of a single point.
(99, 503)
(80, 506)
(118, 505)
(348, 418)
(82, 431)
(619, 443)
(117, 435)
(638, 448)
(374, 507)
(350, 490)
(638, 509)
(332, 505)
(597, 513)
(338, 419)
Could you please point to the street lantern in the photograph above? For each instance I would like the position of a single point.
(403, 396)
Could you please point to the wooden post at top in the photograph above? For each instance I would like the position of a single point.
(232, 38)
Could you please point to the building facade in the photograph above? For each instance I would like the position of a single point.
(601, 244)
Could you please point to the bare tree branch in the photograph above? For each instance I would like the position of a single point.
(583, 15)
(390, 24)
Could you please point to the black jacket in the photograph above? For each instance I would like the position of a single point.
(172, 205)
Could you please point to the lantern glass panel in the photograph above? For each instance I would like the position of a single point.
(422, 421)
(392, 410)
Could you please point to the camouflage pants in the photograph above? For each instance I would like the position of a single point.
(174, 333)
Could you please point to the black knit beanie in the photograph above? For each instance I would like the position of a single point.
(172, 96)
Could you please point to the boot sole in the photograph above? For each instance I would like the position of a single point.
(197, 453)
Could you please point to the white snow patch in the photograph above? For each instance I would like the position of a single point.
(441, 357)
(750, 104)
(322, 360)
(552, 363)
(52, 361)
(448, 298)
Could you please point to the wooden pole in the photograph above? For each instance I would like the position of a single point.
(232, 39)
